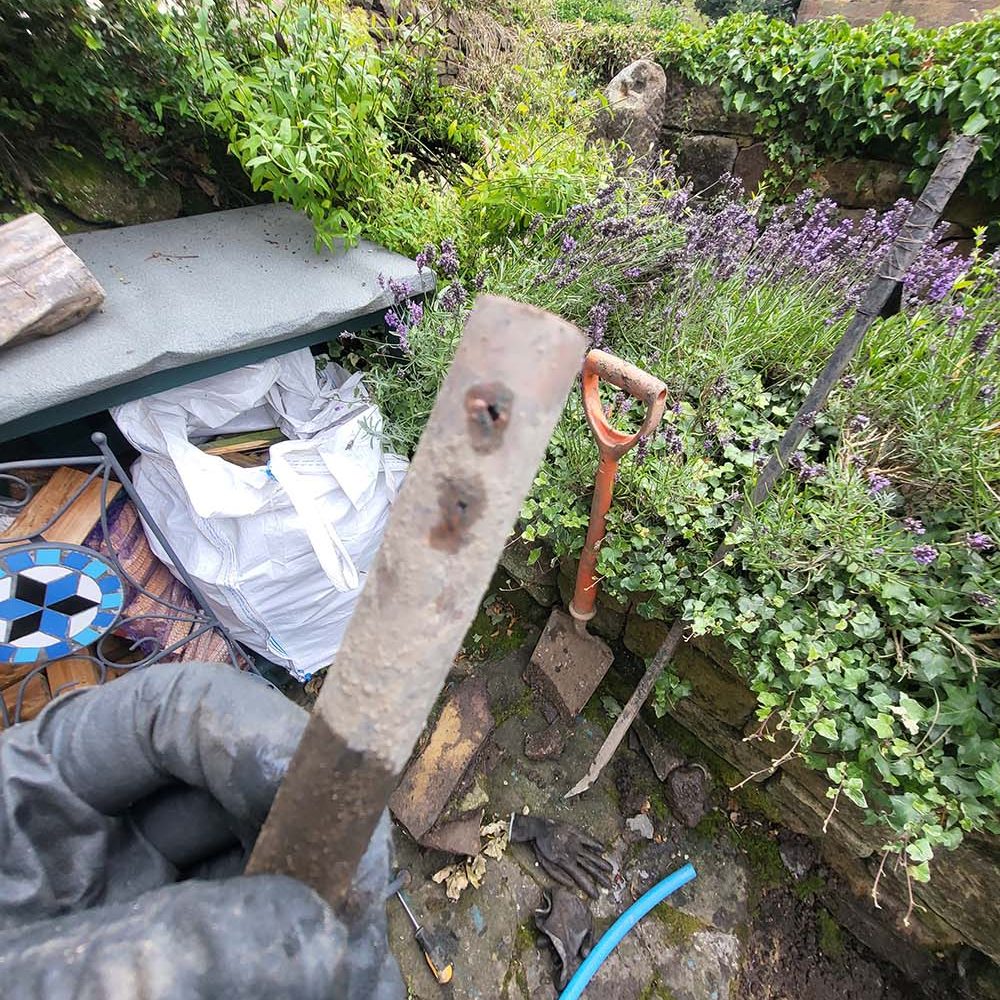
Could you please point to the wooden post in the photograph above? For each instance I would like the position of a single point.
(44, 286)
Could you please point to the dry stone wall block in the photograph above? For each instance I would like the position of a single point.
(635, 116)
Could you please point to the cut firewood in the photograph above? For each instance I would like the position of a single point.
(74, 524)
(44, 286)
(70, 673)
(36, 697)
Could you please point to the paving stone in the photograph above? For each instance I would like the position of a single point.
(461, 729)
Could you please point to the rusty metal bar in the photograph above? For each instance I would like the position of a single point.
(475, 463)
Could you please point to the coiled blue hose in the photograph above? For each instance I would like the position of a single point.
(613, 935)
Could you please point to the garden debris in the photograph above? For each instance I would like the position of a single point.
(641, 824)
(432, 777)
(661, 757)
(75, 523)
(241, 444)
(566, 921)
(459, 836)
(548, 744)
(459, 876)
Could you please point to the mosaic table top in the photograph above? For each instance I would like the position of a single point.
(55, 599)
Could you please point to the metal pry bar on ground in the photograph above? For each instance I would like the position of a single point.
(474, 465)
(916, 230)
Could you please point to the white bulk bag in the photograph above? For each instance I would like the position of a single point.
(279, 552)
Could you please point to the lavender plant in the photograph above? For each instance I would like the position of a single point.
(860, 603)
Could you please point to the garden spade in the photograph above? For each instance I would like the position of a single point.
(568, 663)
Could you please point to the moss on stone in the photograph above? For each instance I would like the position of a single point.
(679, 926)
(767, 871)
(495, 631)
(656, 990)
(831, 937)
(809, 887)
(711, 824)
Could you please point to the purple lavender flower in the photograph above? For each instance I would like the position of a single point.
(416, 314)
(859, 422)
(453, 297)
(956, 317)
(808, 419)
(877, 483)
(849, 381)
(981, 341)
(599, 323)
(988, 392)
(983, 600)
(979, 541)
(393, 320)
(448, 259)
(426, 257)
(632, 272)
(924, 554)
(914, 525)
(479, 281)
(802, 469)
(642, 449)
(568, 243)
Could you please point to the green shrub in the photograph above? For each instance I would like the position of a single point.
(593, 11)
(89, 76)
(860, 602)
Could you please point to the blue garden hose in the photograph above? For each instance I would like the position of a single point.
(613, 935)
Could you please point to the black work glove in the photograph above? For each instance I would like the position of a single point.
(564, 853)
(565, 919)
(114, 794)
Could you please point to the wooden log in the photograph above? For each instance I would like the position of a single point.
(70, 673)
(75, 523)
(44, 286)
(241, 443)
(36, 696)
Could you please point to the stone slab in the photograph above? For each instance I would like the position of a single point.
(189, 290)
(434, 774)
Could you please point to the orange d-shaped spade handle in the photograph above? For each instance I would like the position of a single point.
(611, 444)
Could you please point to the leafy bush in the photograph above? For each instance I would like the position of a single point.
(87, 74)
(859, 603)
(593, 11)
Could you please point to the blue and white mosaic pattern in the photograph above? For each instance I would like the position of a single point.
(54, 600)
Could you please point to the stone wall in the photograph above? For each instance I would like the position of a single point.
(959, 908)
(709, 142)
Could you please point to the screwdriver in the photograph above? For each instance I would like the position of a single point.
(439, 965)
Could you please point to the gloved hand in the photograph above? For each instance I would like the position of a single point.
(570, 857)
(114, 796)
